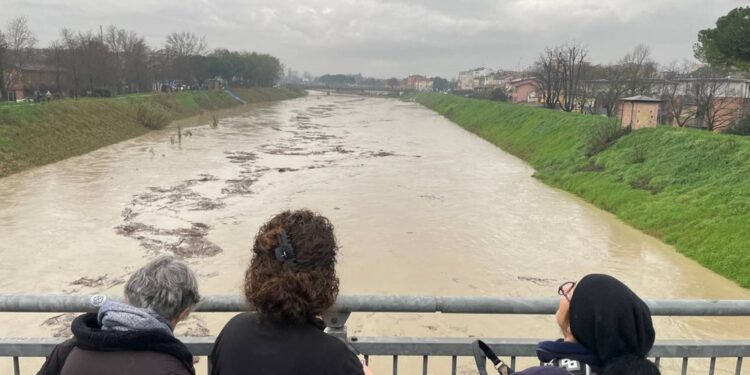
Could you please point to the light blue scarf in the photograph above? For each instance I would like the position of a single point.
(116, 316)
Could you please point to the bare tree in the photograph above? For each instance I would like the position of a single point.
(115, 39)
(676, 94)
(185, 44)
(20, 42)
(181, 48)
(129, 54)
(136, 64)
(586, 88)
(57, 59)
(713, 104)
(639, 70)
(71, 57)
(95, 62)
(608, 98)
(3, 49)
(549, 75)
(571, 59)
(633, 74)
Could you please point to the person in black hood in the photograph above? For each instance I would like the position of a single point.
(607, 330)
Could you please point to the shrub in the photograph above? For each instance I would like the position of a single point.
(602, 136)
(645, 183)
(152, 116)
(638, 153)
(499, 94)
(740, 127)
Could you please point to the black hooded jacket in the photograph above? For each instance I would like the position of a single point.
(95, 351)
(563, 358)
(611, 324)
(609, 319)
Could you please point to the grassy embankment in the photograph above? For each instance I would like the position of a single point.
(36, 134)
(690, 188)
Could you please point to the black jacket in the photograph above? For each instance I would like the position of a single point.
(247, 346)
(94, 351)
(563, 358)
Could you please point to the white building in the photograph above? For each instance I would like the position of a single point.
(470, 79)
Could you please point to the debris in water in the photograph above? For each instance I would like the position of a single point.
(181, 242)
(284, 170)
(239, 186)
(431, 197)
(97, 283)
(60, 324)
(536, 280)
(238, 157)
(193, 326)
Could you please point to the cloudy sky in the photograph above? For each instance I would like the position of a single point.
(394, 38)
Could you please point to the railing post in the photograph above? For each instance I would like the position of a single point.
(336, 324)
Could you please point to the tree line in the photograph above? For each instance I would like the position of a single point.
(114, 60)
(568, 80)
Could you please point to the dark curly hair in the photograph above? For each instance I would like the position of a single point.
(298, 291)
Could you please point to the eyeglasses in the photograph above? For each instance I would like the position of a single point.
(565, 289)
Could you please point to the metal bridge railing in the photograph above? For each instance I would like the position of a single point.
(420, 347)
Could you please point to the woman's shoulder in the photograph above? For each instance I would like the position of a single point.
(244, 318)
(238, 326)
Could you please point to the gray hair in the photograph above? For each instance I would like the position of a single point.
(166, 285)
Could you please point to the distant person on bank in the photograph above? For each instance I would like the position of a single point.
(134, 337)
(607, 330)
(290, 282)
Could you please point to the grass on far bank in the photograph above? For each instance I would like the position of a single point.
(37, 134)
(690, 188)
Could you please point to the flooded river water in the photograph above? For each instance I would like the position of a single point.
(420, 207)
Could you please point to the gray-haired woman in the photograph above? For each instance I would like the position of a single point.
(134, 337)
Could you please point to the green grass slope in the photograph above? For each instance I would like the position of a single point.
(689, 188)
(37, 134)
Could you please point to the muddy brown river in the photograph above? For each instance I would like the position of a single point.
(420, 205)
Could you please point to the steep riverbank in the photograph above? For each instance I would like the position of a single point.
(34, 135)
(687, 187)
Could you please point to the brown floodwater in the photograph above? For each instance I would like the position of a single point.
(420, 206)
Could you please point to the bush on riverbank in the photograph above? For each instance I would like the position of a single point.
(690, 188)
(151, 116)
(37, 134)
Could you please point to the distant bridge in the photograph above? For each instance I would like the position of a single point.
(351, 89)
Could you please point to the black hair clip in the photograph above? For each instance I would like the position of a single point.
(284, 250)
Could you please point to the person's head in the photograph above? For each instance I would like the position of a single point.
(165, 285)
(606, 317)
(631, 365)
(292, 275)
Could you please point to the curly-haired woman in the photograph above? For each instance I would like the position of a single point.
(291, 281)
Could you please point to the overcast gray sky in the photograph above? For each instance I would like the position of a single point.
(394, 38)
